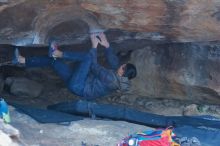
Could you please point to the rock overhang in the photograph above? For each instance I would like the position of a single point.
(33, 22)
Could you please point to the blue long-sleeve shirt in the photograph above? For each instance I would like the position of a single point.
(102, 81)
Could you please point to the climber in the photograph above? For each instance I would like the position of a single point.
(90, 80)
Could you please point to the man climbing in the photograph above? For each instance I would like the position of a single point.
(90, 80)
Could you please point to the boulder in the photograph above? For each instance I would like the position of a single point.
(24, 87)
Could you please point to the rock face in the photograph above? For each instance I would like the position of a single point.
(24, 87)
(34, 22)
(183, 71)
(179, 71)
(186, 20)
(188, 71)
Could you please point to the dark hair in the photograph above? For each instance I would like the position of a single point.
(130, 71)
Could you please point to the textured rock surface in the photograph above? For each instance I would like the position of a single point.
(1, 83)
(24, 87)
(183, 71)
(187, 71)
(191, 110)
(181, 20)
(180, 71)
(34, 22)
(9, 136)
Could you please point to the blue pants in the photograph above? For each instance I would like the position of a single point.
(75, 79)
